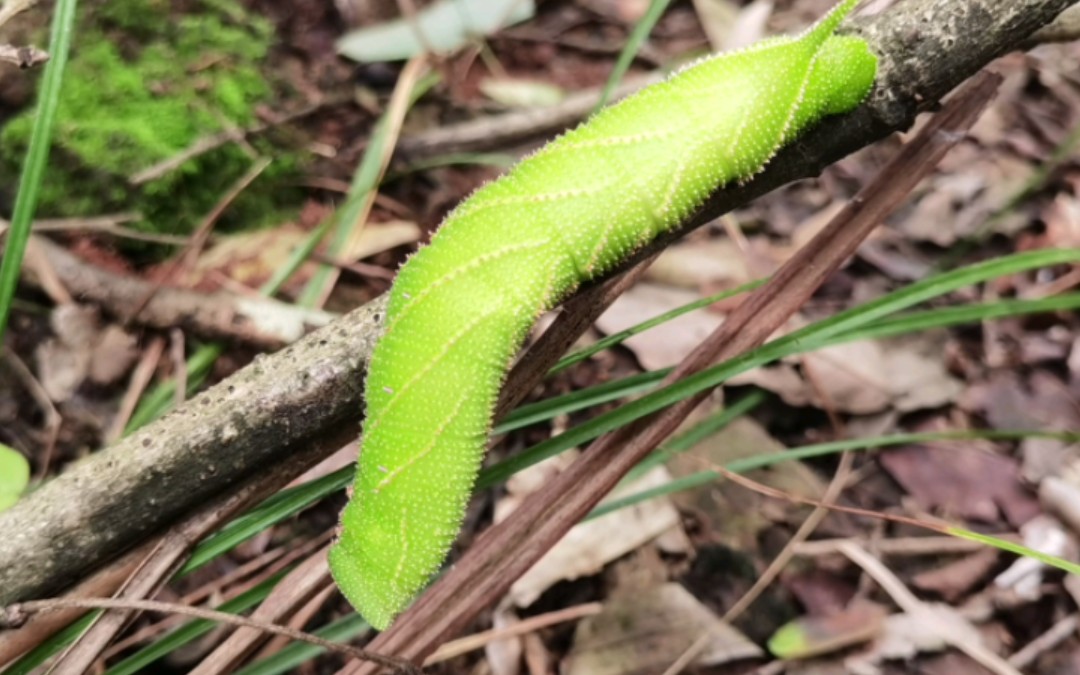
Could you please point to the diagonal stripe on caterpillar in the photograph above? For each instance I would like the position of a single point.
(460, 308)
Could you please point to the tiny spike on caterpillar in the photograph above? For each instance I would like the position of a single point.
(460, 308)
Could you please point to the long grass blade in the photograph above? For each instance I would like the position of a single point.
(37, 155)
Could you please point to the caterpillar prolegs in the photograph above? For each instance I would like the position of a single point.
(460, 307)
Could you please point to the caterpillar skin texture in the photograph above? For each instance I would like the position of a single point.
(460, 308)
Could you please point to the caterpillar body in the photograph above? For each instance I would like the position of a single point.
(460, 307)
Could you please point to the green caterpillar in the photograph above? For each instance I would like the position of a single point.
(460, 308)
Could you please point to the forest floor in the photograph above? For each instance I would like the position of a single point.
(639, 586)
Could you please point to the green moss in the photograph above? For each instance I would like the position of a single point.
(144, 83)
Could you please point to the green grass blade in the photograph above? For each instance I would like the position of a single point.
(633, 44)
(297, 258)
(273, 510)
(297, 653)
(585, 398)
(37, 156)
(623, 335)
(944, 317)
(365, 181)
(764, 460)
(1013, 547)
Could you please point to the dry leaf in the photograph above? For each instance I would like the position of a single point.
(716, 263)
(962, 482)
(735, 515)
(592, 544)
(664, 345)
(646, 631)
(82, 349)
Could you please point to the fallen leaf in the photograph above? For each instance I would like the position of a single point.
(504, 656)
(64, 361)
(954, 580)
(962, 482)
(590, 545)
(1008, 401)
(646, 631)
(378, 237)
(251, 258)
(1062, 498)
(820, 591)
(864, 377)
(113, 355)
(732, 513)
(717, 18)
(666, 344)
(715, 263)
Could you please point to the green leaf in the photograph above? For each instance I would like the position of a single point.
(14, 476)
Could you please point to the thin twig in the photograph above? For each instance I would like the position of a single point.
(533, 623)
(260, 322)
(912, 605)
(901, 546)
(303, 583)
(208, 143)
(14, 615)
(183, 263)
(53, 419)
(140, 378)
(1055, 635)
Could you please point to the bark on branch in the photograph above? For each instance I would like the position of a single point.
(113, 499)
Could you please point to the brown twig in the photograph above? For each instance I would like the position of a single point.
(260, 322)
(300, 586)
(212, 142)
(533, 623)
(183, 263)
(140, 379)
(15, 614)
(507, 550)
(53, 419)
(512, 127)
(225, 587)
